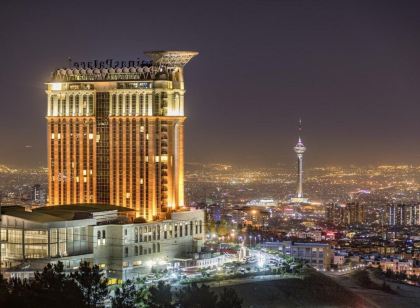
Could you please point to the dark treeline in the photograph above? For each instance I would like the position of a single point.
(88, 287)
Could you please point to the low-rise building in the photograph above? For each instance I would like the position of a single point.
(318, 255)
(339, 260)
(409, 267)
(105, 235)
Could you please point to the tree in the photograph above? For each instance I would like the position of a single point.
(54, 287)
(142, 294)
(389, 273)
(92, 283)
(4, 291)
(229, 299)
(193, 296)
(51, 287)
(125, 297)
(160, 296)
(20, 294)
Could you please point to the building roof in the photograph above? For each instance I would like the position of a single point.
(171, 58)
(58, 213)
(163, 64)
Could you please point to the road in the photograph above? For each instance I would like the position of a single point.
(236, 281)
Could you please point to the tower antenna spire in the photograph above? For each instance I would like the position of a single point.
(300, 128)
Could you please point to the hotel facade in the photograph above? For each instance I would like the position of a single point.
(116, 134)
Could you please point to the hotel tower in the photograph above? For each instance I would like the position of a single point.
(116, 133)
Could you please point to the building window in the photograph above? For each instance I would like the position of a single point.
(125, 251)
(136, 251)
(127, 104)
(90, 104)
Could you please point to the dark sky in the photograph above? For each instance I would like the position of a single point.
(350, 69)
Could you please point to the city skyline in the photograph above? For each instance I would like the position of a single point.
(364, 84)
(130, 177)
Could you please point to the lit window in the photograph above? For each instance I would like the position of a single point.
(56, 86)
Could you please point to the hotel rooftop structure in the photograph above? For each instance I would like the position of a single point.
(116, 133)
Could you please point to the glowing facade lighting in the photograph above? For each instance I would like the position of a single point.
(124, 125)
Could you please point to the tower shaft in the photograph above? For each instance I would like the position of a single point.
(300, 177)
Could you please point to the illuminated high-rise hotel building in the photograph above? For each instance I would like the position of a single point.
(116, 133)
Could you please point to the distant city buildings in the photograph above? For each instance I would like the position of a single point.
(345, 214)
(403, 214)
(36, 193)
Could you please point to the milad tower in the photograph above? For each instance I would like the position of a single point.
(299, 150)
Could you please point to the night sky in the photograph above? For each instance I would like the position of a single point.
(350, 69)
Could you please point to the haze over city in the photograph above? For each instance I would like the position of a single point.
(348, 69)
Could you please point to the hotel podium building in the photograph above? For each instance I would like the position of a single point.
(116, 133)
